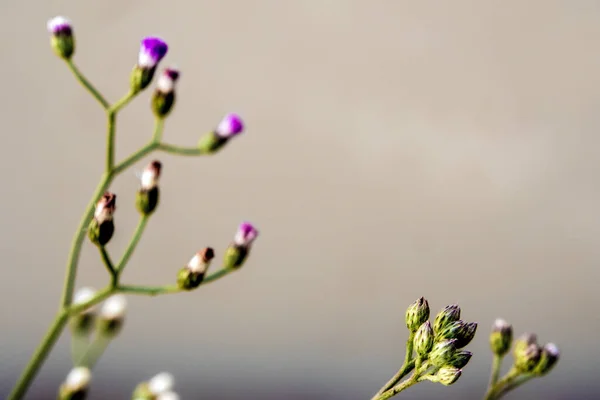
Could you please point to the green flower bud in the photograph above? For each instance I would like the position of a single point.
(237, 253)
(549, 357)
(442, 352)
(416, 314)
(157, 388)
(163, 99)
(62, 39)
(450, 331)
(148, 196)
(152, 50)
(192, 275)
(445, 317)
(140, 78)
(112, 315)
(82, 323)
(102, 227)
(230, 126)
(466, 334)
(211, 143)
(526, 353)
(235, 256)
(75, 386)
(460, 359)
(501, 337)
(423, 340)
(447, 375)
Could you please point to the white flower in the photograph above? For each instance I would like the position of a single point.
(78, 379)
(114, 307)
(161, 383)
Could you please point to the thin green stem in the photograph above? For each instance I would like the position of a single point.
(159, 124)
(513, 384)
(122, 102)
(100, 296)
(137, 235)
(87, 85)
(39, 356)
(399, 387)
(110, 141)
(495, 391)
(407, 366)
(114, 273)
(148, 290)
(135, 157)
(182, 151)
(75, 251)
(496, 365)
(94, 351)
(218, 275)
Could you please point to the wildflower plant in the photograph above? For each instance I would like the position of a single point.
(435, 353)
(95, 317)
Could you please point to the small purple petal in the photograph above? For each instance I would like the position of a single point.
(59, 25)
(152, 50)
(246, 234)
(230, 125)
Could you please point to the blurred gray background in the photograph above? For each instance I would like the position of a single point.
(394, 149)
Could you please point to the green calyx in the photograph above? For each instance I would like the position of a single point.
(442, 352)
(162, 103)
(188, 279)
(448, 315)
(101, 233)
(211, 143)
(423, 340)
(416, 314)
(235, 256)
(63, 45)
(140, 78)
(146, 201)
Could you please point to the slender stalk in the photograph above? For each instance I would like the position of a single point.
(87, 85)
(75, 251)
(159, 124)
(137, 235)
(404, 370)
(39, 356)
(114, 273)
(496, 365)
(148, 290)
(182, 151)
(495, 391)
(513, 384)
(399, 387)
(135, 157)
(110, 141)
(122, 102)
(217, 275)
(94, 351)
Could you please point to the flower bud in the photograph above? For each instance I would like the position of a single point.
(526, 353)
(158, 386)
(416, 314)
(102, 227)
(501, 337)
(442, 352)
(237, 252)
(112, 315)
(152, 50)
(466, 333)
(192, 275)
(423, 340)
(447, 375)
(230, 126)
(449, 314)
(163, 99)
(549, 357)
(75, 386)
(147, 197)
(81, 324)
(460, 359)
(62, 40)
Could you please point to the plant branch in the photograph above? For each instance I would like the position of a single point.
(137, 235)
(414, 378)
(182, 151)
(149, 290)
(407, 366)
(87, 85)
(114, 274)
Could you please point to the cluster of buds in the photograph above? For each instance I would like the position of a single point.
(192, 275)
(159, 387)
(62, 39)
(102, 227)
(76, 384)
(230, 126)
(528, 356)
(440, 346)
(238, 251)
(148, 195)
(152, 51)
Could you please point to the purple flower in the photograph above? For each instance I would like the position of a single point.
(166, 80)
(152, 50)
(59, 26)
(229, 126)
(245, 235)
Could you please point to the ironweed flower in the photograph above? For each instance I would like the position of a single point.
(149, 193)
(237, 253)
(76, 384)
(163, 99)
(423, 340)
(549, 358)
(416, 314)
(501, 337)
(442, 352)
(112, 315)
(62, 39)
(102, 227)
(152, 51)
(192, 275)
(448, 315)
(230, 126)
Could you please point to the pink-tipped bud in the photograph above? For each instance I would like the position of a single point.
(230, 126)
(105, 208)
(245, 234)
(150, 175)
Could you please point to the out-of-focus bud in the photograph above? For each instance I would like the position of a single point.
(442, 352)
(102, 227)
(466, 333)
(112, 315)
(447, 375)
(526, 353)
(237, 252)
(81, 324)
(62, 40)
(158, 387)
(230, 126)
(416, 314)
(501, 337)
(192, 275)
(76, 385)
(163, 99)
(448, 315)
(152, 50)
(148, 195)
(460, 359)
(423, 340)
(549, 357)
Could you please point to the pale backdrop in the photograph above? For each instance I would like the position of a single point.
(394, 149)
